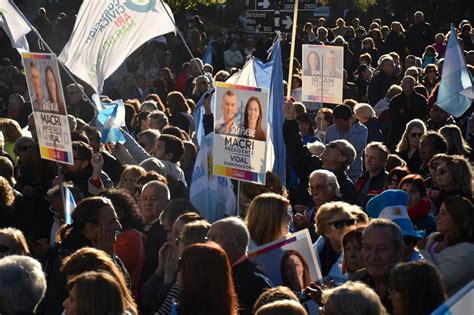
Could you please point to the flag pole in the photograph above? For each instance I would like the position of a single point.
(50, 50)
(292, 54)
(180, 35)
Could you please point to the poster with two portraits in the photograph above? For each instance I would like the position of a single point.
(291, 262)
(240, 132)
(49, 106)
(322, 74)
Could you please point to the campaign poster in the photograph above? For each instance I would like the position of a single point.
(49, 106)
(291, 262)
(323, 74)
(240, 132)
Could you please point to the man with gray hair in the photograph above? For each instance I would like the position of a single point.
(153, 199)
(323, 187)
(249, 281)
(382, 80)
(337, 157)
(147, 139)
(158, 120)
(381, 250)
(404, 107)
(76, 105)
(22, 285)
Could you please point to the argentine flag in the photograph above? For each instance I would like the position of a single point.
(455, 90)
(69, 205)
(112, 117)
(461, 303)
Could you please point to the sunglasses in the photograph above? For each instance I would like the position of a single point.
(339, 224)
(416, 134)
(4, 248)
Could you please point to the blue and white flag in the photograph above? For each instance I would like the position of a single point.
(15, 26)
(461, 303)
(212, 195)
(69, 205)
(270, 75)
(108, 31)
(112, 118)
(455, 89)
(207, 58)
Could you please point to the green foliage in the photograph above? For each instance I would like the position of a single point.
(180, 5)
(359, 4)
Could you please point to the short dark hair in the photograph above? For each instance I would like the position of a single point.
(342, 111)
(440, 145)
(173, 145)
(84, 150)
(175, 208)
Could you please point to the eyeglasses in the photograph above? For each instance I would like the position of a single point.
(4, 248)
(416, 134)
(339, 224)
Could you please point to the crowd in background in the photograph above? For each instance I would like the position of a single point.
(382, 182)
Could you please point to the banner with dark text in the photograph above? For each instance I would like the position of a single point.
(49, 107)
(241, 130)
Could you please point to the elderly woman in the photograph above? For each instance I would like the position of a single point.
(452, 175)
(366, 115)
(332, 221)
(451, 249)
(407, 148)
(352, 247)
(268, 219)
(129, 177)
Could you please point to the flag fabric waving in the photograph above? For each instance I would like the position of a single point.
(70, 205)
(455, 89)
(14, 25)
(212, 195)
(108, 31)
(461, 303)
(112, 117)
(270, 75)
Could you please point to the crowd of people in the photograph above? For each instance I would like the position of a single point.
(383, 183)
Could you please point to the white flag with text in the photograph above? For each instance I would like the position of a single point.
(108, 31)
(14, 25)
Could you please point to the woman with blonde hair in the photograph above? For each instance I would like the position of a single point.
(352, 298)
(456, 142)
(94, 293)
(333, 219)
(366, 115)
(12, 242)
(129, 177)
(11, 132)
(90, 259)
(407, 148)
(268, 219)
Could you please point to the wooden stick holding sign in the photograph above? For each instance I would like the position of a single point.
(292, 53)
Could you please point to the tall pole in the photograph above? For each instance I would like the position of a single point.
(292, 54)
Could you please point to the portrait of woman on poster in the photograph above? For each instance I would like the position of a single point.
(294, 271)
(253, 120)
(313, 64)
(57, 104)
